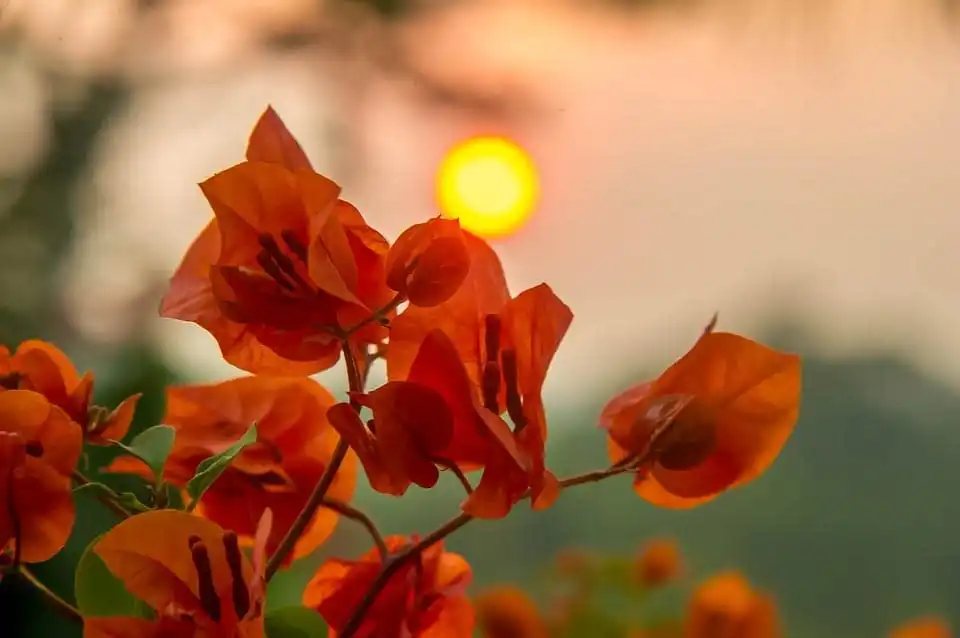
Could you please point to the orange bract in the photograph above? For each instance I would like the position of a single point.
(294, 446)
(428, 262)
(44, 368)
(925, 627)
(190, 572)
(726, 605)
(39, 450)
(411, 426)
(487, 354)
(423, 599)
(507, 612)
(659, 562)
(716, 419)
(283, 263)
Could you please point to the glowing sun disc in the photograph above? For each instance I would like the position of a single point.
(488, 183)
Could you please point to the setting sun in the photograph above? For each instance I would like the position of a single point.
(490, 184)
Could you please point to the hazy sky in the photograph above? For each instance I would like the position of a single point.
(687, 167)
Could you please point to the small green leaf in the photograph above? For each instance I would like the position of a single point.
(100, 593)
(210, 469)
(294, 622)
(130, 501)
(152, 446)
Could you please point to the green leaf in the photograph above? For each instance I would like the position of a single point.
(294, 622)
(100, 593)
(212, 468)
(152, 446)
(130, 502)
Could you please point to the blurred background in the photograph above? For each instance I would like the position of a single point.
(793, 165)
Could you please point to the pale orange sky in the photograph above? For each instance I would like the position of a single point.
(686, 168)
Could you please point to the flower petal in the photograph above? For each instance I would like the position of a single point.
(383, 477)
(117, 424)
(429, 262)
(255, 198)
(534, 324)
(271, 141)
(483, 292)
(151, 554)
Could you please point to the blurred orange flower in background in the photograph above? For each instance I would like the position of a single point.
(283, 264)
(726, 605)
(714, 420)
(190, 571)
(39, 450)
(423, 599)
(507, 612)
(294, 446)
(44, 368)
(924, 627)
(659, 562)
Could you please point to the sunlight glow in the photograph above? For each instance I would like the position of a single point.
(490, 184)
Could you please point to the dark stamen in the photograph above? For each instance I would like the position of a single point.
(270, 267)
(209, 601)
(492, 337)
(10, 381)
(34, 449)
(282, 261)
(490, 386)
(271, 478)
(510, 380)
(295, 245)
(241, 596)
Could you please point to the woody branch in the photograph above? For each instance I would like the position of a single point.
(396, 562)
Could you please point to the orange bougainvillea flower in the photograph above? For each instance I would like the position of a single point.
(44, 368)
(190, 572)
(283, 263)
(428, 262)
(726, 605)
(507, 612)
(39, 450)
(412, 427)
(294, 446)
(423, 599)
(659, 562)
(716, 419)
(925, 627)
(487, 355)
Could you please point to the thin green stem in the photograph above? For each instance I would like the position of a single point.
(356, 515)
(62, 607)
(310, 508)
(109, 498)
(379, 314)
(454, 469)
(594, 476)
(316, 498)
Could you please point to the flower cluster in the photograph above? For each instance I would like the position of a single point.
(722, 605)
(290, 279)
